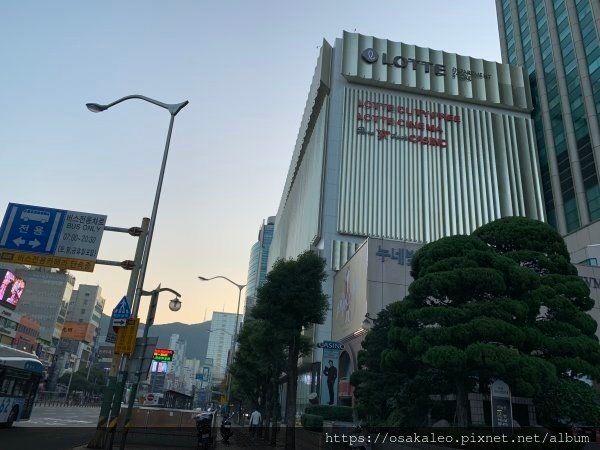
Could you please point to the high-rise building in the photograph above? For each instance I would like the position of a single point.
(83, 322)
(176, 373)
(46, 299)
(222, 330)
(558, 43)
(401, 143)
(259, 259)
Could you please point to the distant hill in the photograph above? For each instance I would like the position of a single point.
(196, 335)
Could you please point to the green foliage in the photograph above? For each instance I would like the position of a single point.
(95, 383)
(312, 422)
(570, 402)
(503, 303)
(292, 297)
(327, 412)
(260, 358)
(291, 300)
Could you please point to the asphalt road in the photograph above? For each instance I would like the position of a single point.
(47, 416)
(52, 428)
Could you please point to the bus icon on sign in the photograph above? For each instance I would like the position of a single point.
(36, 215)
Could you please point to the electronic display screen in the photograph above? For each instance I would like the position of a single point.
(11, 289)
(163, 354)
(159, 367)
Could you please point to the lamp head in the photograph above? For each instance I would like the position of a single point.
(175, 304)
(203, 279)
(95, 107)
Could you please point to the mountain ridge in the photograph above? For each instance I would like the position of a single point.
(196, 335)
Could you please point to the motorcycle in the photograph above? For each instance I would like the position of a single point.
(204, 428)
(226, 432)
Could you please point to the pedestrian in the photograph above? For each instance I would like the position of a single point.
(255, 419)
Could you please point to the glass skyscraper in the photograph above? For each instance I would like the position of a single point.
(557, 41)
(257, 268)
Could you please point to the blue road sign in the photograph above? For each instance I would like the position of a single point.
(122, 310)
(33, 229)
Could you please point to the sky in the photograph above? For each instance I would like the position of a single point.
(245, 66)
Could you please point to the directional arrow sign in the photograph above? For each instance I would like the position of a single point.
(119, 322)
(19, 241)
(40, 236)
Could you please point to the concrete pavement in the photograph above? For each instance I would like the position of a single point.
(241, 439)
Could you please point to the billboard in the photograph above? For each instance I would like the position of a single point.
(159, 367)
(163, 354)
(350, 295)
(329, 381)
(11, 289)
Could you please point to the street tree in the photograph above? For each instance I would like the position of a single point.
(291, 300)
(258, 364)
(504, 303)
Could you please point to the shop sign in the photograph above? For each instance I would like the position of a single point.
(371, 56)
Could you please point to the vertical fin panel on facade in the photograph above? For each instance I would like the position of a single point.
(395, 184)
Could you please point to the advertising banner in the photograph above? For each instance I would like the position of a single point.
(501, 405)
(329, 374)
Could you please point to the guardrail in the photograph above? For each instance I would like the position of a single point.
(69, 404)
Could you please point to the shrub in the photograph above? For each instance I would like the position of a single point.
(339, 413)
(312, 422)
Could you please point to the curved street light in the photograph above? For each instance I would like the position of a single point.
(145, 254)
(235, 333)
(173, 110)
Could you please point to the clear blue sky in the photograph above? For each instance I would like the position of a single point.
(245, 67)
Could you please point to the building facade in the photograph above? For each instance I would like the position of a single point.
(176, 374)
(259, 259)
(84, 314)
(222, 331)
(557, 42)
(46, 299)
(28, 332)
(9, 325)
(404, 143)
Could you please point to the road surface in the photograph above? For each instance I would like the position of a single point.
(52, 428)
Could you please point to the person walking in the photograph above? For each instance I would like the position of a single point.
(255, 419)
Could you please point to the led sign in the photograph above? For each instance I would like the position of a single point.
(163, 354)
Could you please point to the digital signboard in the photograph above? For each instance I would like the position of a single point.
(159, 367)
(163, 354)
(11, 289)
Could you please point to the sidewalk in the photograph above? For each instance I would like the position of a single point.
(241, 439)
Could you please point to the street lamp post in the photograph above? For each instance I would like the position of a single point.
(174, 305)
(235, 333)
(139, 283)
(71, 377)
(173, 110)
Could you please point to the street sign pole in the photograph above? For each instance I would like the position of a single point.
(114, 390)
(138, 374)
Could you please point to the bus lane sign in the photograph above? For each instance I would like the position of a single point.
(49, 237)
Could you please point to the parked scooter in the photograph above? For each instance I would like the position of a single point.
(204, 428)
(226, 432)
